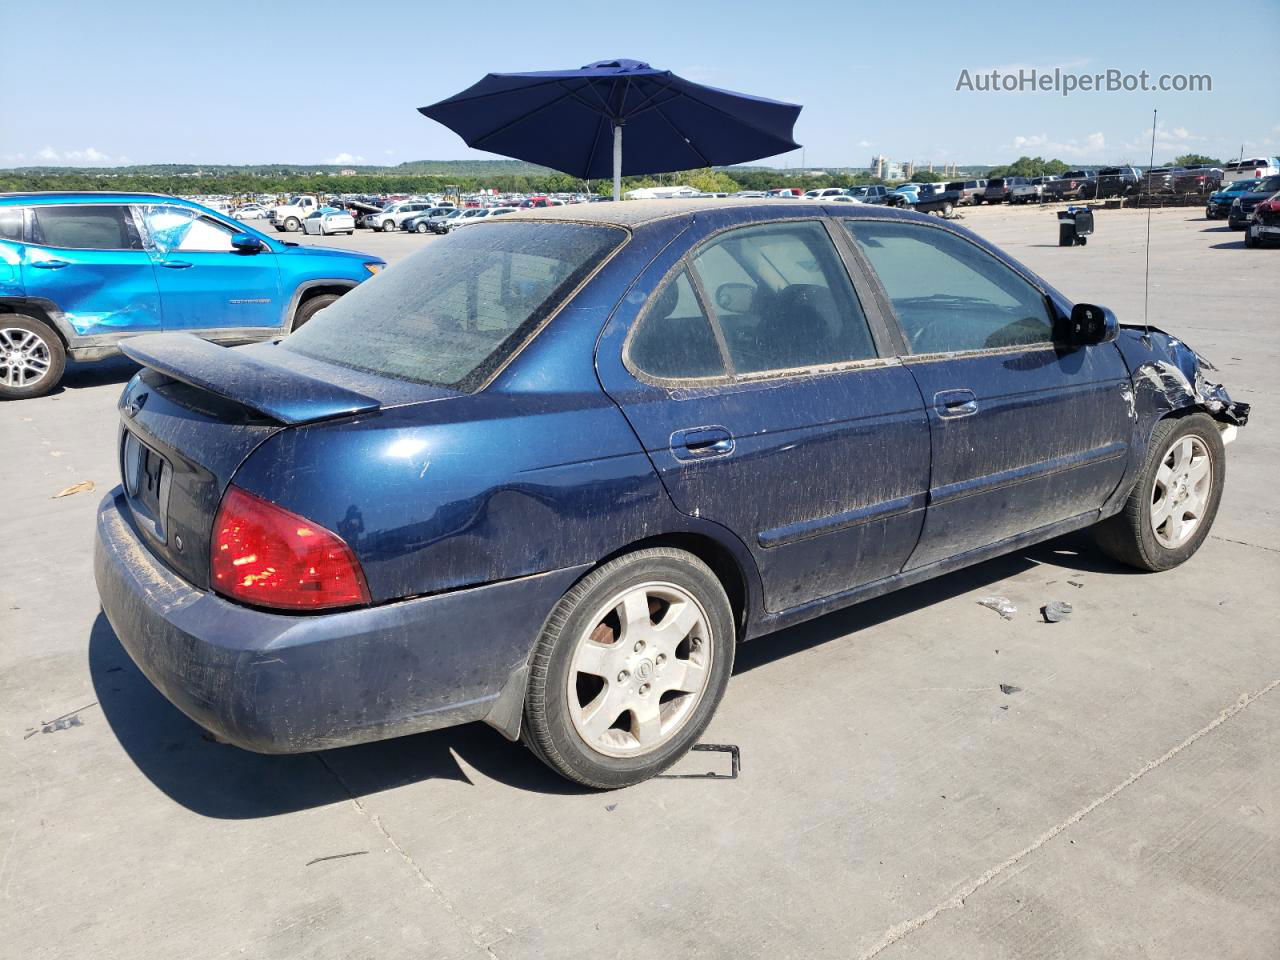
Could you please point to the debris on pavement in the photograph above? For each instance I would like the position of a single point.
(64, 722)
(1001, 605)
(337, 856)
(1075, 583)
(1008, 689)
(84, 486)
(1056, 612)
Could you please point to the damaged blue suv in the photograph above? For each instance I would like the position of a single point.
(80, 272)
(548, 474)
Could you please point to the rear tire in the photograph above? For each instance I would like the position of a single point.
(1180, 484)
(310, 308)
(32, 358)
(629, 669)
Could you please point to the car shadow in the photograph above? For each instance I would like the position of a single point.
(224, 782)
(82, 376)
(1229, 245)
(1221, 229)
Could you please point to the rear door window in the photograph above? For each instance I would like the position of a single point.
(11, 223)
(950, 295)
(674, 339)
(85, 227)
(782, 298)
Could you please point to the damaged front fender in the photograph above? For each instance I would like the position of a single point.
(1169, 377)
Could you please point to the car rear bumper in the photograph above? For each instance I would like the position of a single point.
(276, 683)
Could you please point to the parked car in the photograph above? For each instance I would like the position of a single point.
(81, 272)
(874, 193)
(1000, 189)
(1117, 182)
(937, 198)
(388, 219)
(514, 479)
(1264, 224)
(1072, 185)
(329, 220)
(470, 217)
(823, 193)
(1242, 206)
(1201, 178)
(251, 211)
(970, 191)
(1254, 167)
(1219, 203)
(1159, 179)
(287, 217)
(1029, 191)
(441, 222)
(420, 222)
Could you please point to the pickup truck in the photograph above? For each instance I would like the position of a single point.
(1072, 185)
(289, 216)
(934, 199)
(1118, 181)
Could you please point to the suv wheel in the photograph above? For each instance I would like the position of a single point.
(388, 226)
(311, 307)
(1175, 499)
(629, 668)
(31, 357)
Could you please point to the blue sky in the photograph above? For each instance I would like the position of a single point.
(136, 81)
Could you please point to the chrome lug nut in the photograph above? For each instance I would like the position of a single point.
(644, 688)
(623, 676)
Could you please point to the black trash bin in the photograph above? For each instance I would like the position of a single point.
(1075, 224)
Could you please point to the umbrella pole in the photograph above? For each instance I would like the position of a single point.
(617, 161)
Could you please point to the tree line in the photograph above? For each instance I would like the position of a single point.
(239, 182)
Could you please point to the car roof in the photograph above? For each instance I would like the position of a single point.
(82, 196)
(634, 213)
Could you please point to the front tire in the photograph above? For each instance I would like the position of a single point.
(388, 226)
(1174, 501)
(293, 225)
(310, 308)
(420, 228)
(629, 669)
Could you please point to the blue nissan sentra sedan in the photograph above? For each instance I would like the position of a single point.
(547, 473)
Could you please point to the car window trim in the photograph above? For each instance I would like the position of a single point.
(731, 378)
(29, 224)
(981, 351)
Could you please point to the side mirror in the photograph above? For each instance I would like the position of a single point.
(1087, 324)
(734, 297)
(244, 243)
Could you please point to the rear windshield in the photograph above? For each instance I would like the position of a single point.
(454, 312)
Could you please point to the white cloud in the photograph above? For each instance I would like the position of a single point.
(865, 143)
(389, 153)
(346, 158)
(1090, 148)
(89, 155)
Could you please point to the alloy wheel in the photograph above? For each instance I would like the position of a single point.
(24, 357)
(639, 671)
(1181, 492)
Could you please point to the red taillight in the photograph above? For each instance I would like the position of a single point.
(264, 555)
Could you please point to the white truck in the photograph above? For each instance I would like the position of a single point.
(289, 216)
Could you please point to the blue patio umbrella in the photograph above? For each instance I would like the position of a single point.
(572, 120)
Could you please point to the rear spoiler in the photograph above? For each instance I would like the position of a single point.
(271, 389)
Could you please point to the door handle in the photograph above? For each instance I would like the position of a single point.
(50, 264)
(176, 264)
(955, 403)
(701, 443)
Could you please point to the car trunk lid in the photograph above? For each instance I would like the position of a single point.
(197, 411)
